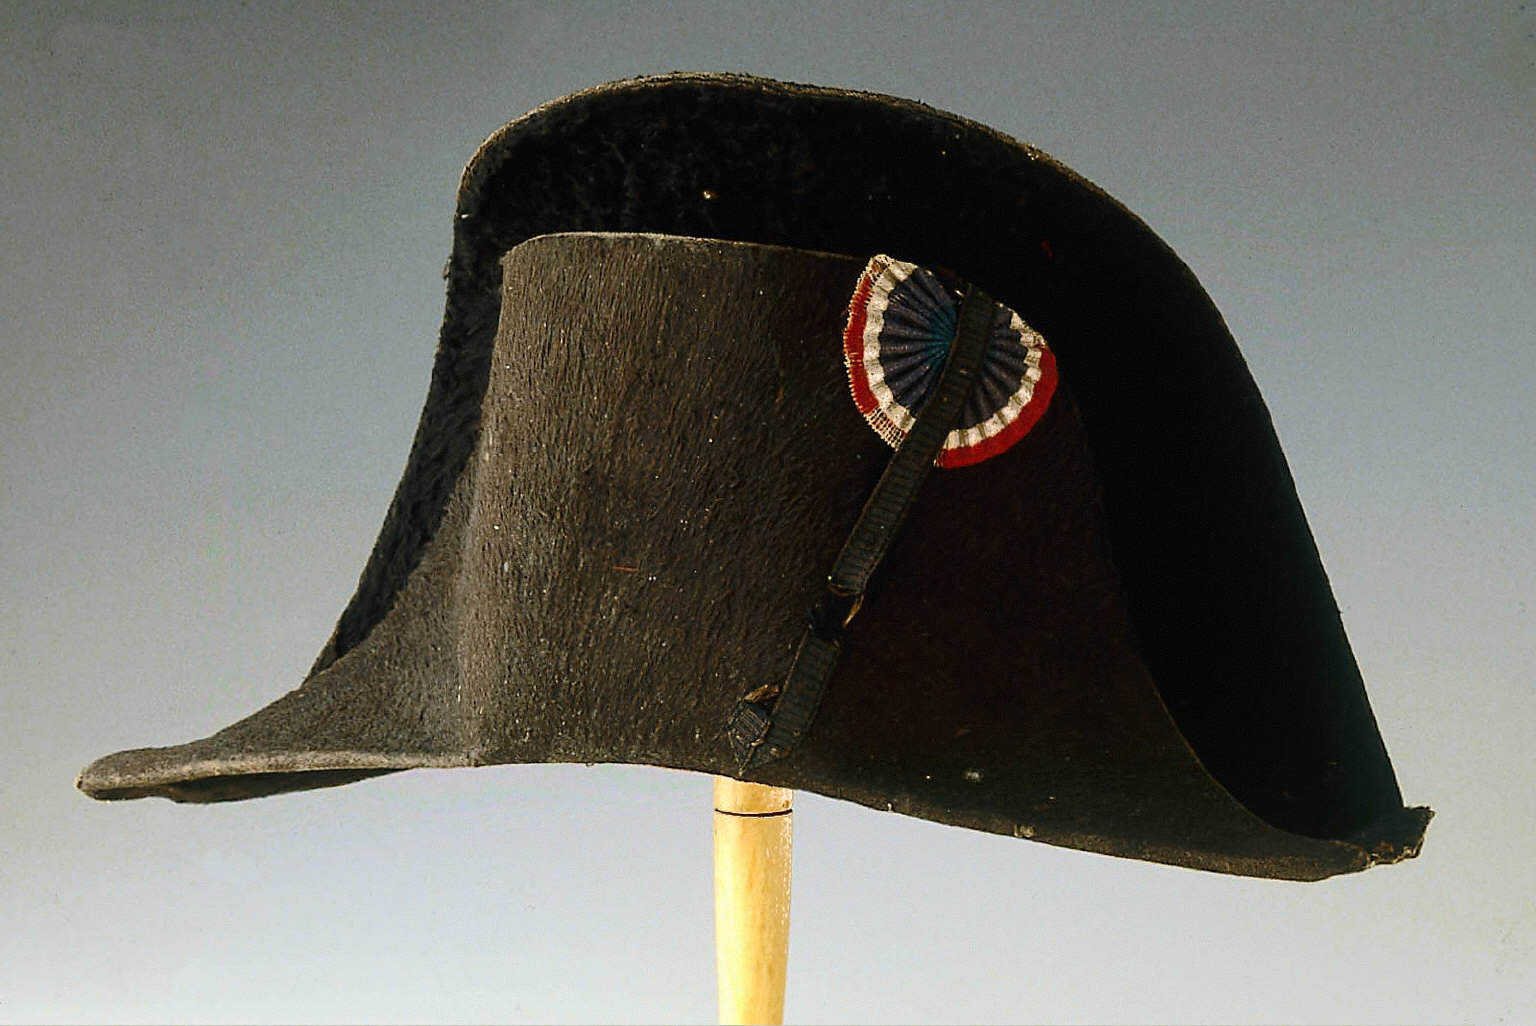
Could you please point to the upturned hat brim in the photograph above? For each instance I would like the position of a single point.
(1116, 636)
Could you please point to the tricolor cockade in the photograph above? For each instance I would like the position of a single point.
(901, 323)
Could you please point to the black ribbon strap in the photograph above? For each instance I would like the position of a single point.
(768, 723)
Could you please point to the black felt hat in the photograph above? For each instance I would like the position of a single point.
(677, 353)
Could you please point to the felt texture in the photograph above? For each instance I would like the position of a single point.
(638, 459)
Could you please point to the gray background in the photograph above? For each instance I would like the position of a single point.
(223, 228)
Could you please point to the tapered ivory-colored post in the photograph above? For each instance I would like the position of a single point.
(754, 826)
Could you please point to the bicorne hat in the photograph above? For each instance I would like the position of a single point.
(827, 440)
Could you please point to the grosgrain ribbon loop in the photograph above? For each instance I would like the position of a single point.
(760, 733)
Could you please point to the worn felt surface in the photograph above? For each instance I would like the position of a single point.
(1141, 553)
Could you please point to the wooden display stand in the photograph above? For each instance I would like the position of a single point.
(754, 828)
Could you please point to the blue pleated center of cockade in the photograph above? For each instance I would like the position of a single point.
(921, 317)
(919, 326)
